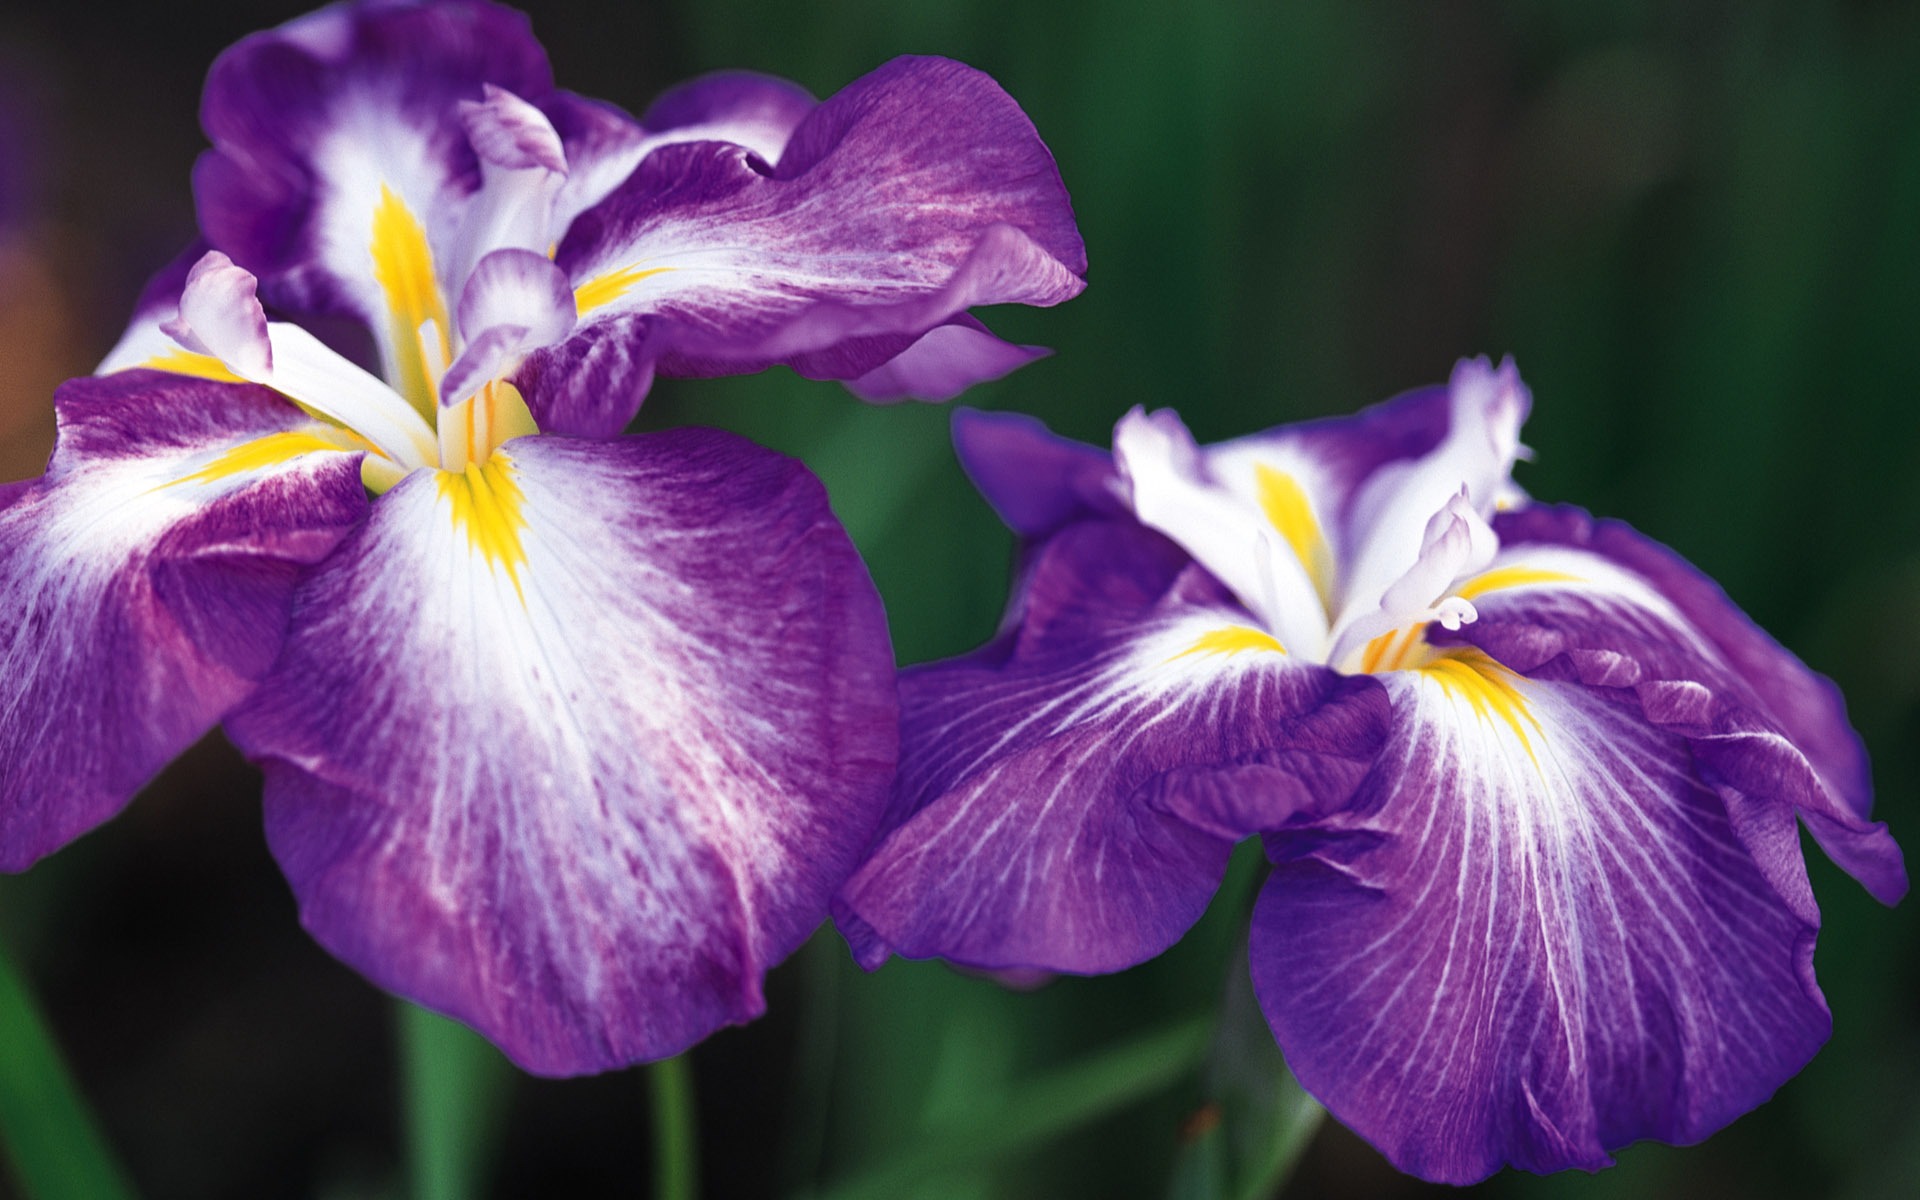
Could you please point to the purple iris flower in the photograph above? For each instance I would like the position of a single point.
(569, 736)
(1528, 781)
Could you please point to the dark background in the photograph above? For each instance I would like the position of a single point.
(1696, 227)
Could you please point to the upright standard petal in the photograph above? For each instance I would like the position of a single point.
(145, 583)
(577, 743)
(340, 164)
(915, 193)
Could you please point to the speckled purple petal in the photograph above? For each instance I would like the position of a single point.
(1068, 796)
(309, 120)
(144, 587)
(1531, 940)
(915, 193)
(585, 802)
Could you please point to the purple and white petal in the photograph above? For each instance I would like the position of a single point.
(146, 580)
(1069, 795)
(1626, 611)
(574, 746)
(515, 301)
(1487, 406)
(522, 169)
(517, 287)
(604, 145)
(1534, 937)
(917, 192)
(1804, 705)
(347, 115)
(220, 316)
(221, 319)
(1171, 491)
(146, 343)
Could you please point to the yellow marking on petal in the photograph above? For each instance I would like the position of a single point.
(1401, 649)
(1288, 510)
(486, 504)
(605, 289)
(1492, 691)
(1508, 577)
(1376, 651)
(403, 267)
(259, 454)
(200, 366)
(1232, 640)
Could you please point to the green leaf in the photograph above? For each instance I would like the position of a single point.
(1034, 1111)
(50, 1137)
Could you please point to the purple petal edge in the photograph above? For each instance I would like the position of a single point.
(133, 621)
(591, 853)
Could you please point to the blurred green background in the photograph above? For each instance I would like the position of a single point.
(1695, 226)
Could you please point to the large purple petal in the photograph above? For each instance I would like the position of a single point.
(310, 121)
(1626, 611)
(1534, 937)
(1805, 706)
(917, 192)
(575, 746)
(1068, 796)
(144, 585)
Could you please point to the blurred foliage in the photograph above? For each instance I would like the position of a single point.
(1696, 227)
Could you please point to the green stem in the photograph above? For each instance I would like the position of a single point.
(676, 1152)
(50, 1137)
(455, 1088)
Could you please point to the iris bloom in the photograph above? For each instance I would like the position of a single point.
(570, 736)
(1527, 780)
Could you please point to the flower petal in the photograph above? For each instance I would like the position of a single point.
(340, 167)
(915, 193)
(517, 287)
(221, 319)
(1487, 406)
(1166, 478)
(604, 145)
(1068, 796)
(946, 361)
(575, 745)
(1629, 612)
(1035, 480)
(1534, 937)
(522, 169)
(146, 344)
(146, 580)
